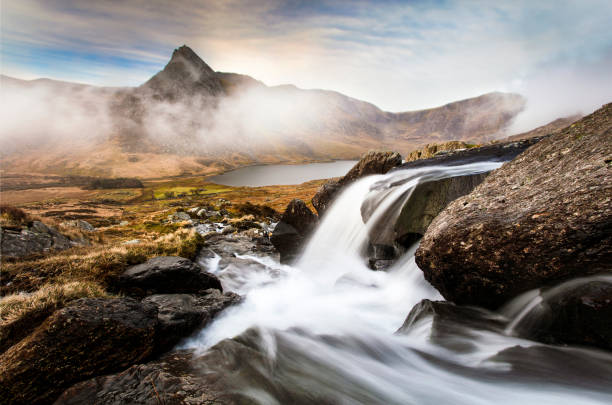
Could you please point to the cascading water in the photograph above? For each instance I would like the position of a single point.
(323, 329)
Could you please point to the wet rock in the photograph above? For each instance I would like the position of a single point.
(580, 316)
(176, 378)
(450, 321)
(294, 227)
(374, 162)
(167, 275)
(539, 219)
(179, 315)
(88, 338)
(36, 238)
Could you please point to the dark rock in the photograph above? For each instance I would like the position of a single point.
(540, 219)
(176, 378)
(36, 238)
(293, 229)
(88, 338)
(167, 275)
(581, 315)
(179, 315)
(424, 204)
(371, 163)
(450, 321)
(325, 195)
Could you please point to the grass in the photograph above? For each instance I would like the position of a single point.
(48, 298)
(169, 192)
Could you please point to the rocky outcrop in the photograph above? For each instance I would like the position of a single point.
(497, 152)
(577, 316)
(540, 219)
(32, 239)
(373, 162)
(432, 149)
(179, 315)
(88, 338)
(294, 227)
(167, 275)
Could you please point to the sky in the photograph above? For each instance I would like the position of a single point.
(399, 55)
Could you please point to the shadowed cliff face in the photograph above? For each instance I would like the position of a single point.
(188, 115)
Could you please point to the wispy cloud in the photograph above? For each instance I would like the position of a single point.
(399, 55)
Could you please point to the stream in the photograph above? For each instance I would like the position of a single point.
(328, 330)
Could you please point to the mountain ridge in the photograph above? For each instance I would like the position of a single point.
(201, 121)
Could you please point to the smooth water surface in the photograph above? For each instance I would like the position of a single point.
(270, 175)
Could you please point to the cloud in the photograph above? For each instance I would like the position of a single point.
(398, 55)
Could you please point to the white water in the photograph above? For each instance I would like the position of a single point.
(331, 292)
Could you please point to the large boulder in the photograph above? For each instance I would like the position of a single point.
(580, 315)
(32, 239)
(167, 275)
(373, 162)
(544, 217)
(179, 315)
(90, 337)
(293, 229)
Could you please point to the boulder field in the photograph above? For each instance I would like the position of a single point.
(542, 218)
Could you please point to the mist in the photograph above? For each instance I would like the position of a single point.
(557, 92)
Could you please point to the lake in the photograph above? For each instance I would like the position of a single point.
(269, 175)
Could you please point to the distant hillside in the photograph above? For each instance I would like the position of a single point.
(550, 128)
(190, 119)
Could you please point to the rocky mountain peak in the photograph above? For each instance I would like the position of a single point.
(186, 56)
(185, 74)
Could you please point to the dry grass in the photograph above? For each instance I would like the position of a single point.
(99, 264)
(49, 297)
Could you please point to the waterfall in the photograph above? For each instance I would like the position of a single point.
(327, 324)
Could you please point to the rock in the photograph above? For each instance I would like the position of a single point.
(374, 162)
(36, 238)
(80, 224)
(293, 229)
(539, 219)
(497, 152)
(450, 321)
(325, 195)
(176, 378)
(179, 315)
(92, 336)
(123, 223)
(167, 275)
(131, 242)
(179, 217)
(580, 315)
(437, 149)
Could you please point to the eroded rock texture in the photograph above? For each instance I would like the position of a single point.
(544, 217)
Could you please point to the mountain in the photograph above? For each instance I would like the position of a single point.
(189, 118)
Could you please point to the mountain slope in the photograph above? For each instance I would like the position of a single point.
(189, 118)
